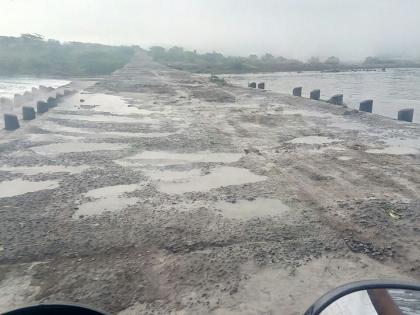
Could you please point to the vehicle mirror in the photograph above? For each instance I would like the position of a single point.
(370, 298)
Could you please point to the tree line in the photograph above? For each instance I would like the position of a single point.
(31, 54)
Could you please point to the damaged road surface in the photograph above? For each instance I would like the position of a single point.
(165, 193)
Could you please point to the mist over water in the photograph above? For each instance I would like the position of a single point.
(391, 90)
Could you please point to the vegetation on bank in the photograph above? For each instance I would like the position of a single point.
(216, 63)
(30, 54)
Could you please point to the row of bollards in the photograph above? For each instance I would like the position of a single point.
(405, 114)
(11, 121)
(254, 85)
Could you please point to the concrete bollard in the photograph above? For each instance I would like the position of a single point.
(5, 101)
(18, 99)
(252, 85)
(41, 107)
(336, 99)
(297, 91)
(52, 102)
(11, 122)
(28, 113)
(366, 106)
(315, 95)
(261, 85)
(406, 114)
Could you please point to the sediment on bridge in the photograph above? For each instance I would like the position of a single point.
(155, 190)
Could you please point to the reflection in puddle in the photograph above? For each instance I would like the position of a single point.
(394, 151)
(19, 186)
(179, 182)
(110, 198)
(46, 169)
(162, 158)
(73, 147)
(313, 140)
(244, 209)
(106, 118)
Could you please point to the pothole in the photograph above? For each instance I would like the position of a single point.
(245, 209)
(394, 150)
(179, 182)
(46, 169)
(107, 199)
(17, 187)
(162, 158)
(313, 140)
(73, 147)
(106, 118)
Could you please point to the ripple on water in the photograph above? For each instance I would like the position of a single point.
(179, 182)
(19, 186)
(107, 199)
(73, 147)
(244, 209)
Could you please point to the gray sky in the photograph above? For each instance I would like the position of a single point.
(349, 29)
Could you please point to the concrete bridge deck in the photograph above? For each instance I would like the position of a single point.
(165, 193)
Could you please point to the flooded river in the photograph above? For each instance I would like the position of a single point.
(390, 90)
(19, 85)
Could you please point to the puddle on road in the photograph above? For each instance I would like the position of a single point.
(74, 147)
(313, 140)
(44, 137)
(107, 199)
(53, 127)
(308, 113)
(244, 209)
(106, 118)
(179, 182)
(46, 169)
(100, 102)
(344, 158)
(394, 150)
(347, 125)
(19, 187)
(327, 148)
(163, 158)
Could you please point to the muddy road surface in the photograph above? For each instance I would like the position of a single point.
(164, 193)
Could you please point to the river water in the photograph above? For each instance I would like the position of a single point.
(391, 90)
(11, 86)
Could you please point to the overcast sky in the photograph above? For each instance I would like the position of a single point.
(349, 29)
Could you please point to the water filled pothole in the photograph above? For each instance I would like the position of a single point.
(162, 158)
(179, 182)
(313, 140)
(394, 150)
(308, 113)
(244, 209)
(107, 199)
(106, 118)
(46, 169)
(17, 187)
(344, 158)
(73, 147)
